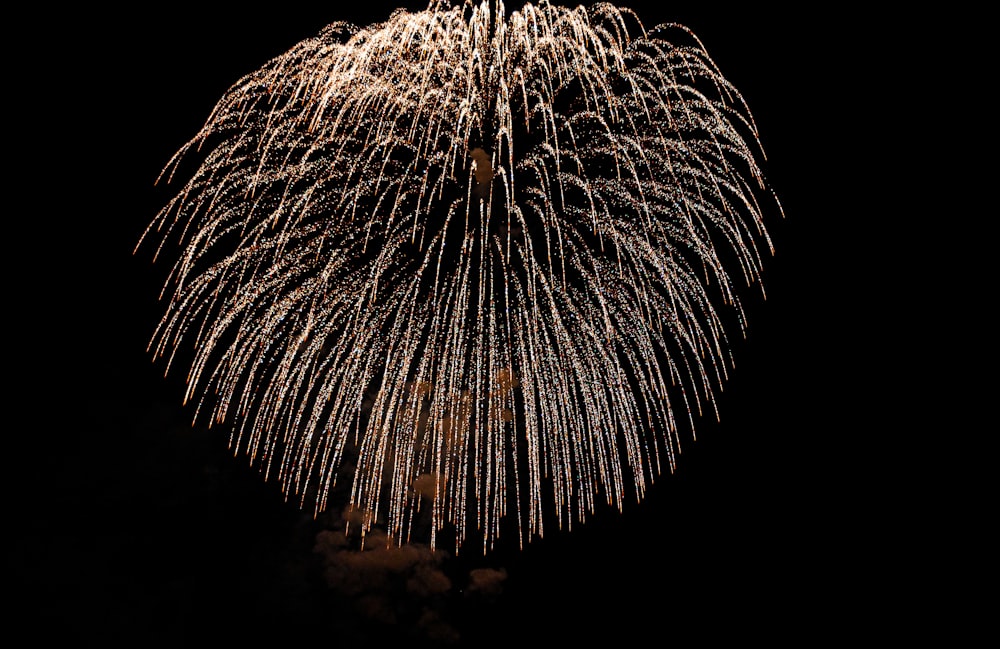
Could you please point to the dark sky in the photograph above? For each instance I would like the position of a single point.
(134, 525)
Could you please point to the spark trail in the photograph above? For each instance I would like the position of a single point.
(473, 264)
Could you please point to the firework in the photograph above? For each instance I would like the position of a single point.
(466, 268)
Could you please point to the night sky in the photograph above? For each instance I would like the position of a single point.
(133, 525)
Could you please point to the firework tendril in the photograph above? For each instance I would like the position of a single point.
(468, 270)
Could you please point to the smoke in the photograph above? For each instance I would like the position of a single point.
(407, 591)
(486, 581)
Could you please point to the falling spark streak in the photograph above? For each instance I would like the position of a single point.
(475, 263)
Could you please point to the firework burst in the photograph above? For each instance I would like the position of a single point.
(476, 268)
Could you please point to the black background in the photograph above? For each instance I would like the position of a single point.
(781, 523)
